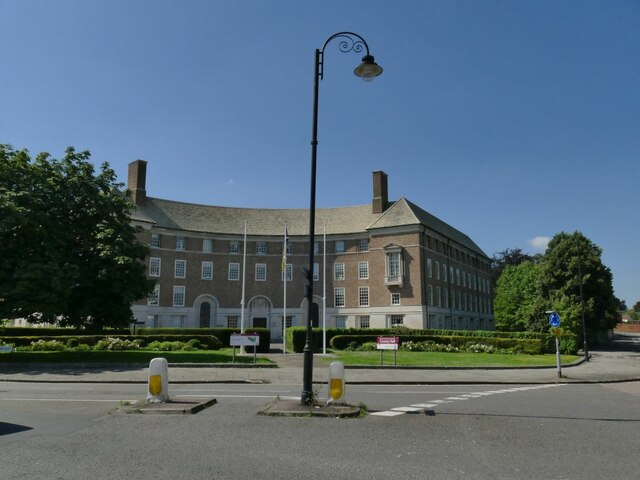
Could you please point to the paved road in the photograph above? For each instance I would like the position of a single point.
(483, 431)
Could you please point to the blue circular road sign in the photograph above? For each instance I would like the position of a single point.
(554, 319)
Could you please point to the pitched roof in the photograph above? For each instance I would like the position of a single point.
(404, 212)
(266, 221)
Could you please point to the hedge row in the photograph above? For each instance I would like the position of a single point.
(296, 337)
(210, 341)
(58, 332)
(533, 347)
(223, 334)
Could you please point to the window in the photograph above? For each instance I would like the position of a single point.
(178, 296)
(363, 296)
(207, 245)
(153, 321)
(207, 271)
(429, 268)
(437, 270)
(338, 271)
(180, 269)
(363, 270)
(261, 272)
(289, 247)
(446, 297)
(464, 279)
(155, 240)
(396, 320)
(289, 322)
(154, 297)
(341, 321)
(453, 279)
(393, 266)
(177, 321)
(232, 321)
(395, 299)
(289, 273)
(438, 297)
(339, 246)
(458, 276)
(261, 248)
(316, 248)
(316, 272)
(234, 271)
(363, 245)
(444, 273)
(363, 321)
(430, 295)
(338, 297)
(181, 243)
(234, 246)
(154, 267)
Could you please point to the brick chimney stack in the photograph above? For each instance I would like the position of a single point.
(137, 181)
(380, 193)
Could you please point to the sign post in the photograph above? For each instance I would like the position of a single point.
(244, 340)
(554, 321)
(388, 343)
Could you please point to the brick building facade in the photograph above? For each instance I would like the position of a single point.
(386, 263)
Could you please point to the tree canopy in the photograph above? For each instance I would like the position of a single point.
(68, 252)
(569, 275)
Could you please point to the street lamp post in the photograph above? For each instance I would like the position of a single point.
(367, 70)
(585, 346)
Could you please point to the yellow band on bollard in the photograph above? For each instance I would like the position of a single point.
(336, 388)
(155, 384)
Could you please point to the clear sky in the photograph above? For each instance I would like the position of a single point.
(510, 120)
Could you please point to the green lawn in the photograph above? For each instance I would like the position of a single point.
(442, 359)
(224, 355)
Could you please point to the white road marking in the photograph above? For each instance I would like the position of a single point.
(466, 396)
(387, 413)
(8, 399)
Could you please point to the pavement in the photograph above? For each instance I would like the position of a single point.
(616, 362)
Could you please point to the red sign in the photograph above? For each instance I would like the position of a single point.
(387, 343)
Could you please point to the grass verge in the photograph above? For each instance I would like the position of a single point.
(128, 356)
(443, 359)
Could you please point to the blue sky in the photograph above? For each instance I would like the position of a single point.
(510, 120)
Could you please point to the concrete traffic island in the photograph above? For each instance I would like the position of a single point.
(293, 408)
(177, 405)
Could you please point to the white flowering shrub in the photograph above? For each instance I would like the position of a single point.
(112, 343)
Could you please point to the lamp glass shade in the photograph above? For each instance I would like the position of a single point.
(368, 69)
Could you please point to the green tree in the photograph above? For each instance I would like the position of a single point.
(506, 257)
(636, 307)
(517, 298)
(68, 253)
(573, 264)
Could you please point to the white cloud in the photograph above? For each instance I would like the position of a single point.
(539, 243)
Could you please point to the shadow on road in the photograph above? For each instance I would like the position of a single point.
(9, 428)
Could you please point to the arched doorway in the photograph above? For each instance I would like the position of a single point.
(205, 315)
(260, 312)
(205, 309)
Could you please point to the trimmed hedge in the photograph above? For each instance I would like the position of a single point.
(534, 347)
(296, 337)
(58, 332)
(223, 334)
(211, 342)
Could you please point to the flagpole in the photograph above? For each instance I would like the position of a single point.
(324, 290)
(244, 265)
(284, 278)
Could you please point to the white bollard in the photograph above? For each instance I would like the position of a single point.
(336, 383)
(158, 388)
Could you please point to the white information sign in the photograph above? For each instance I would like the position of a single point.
(245, 339)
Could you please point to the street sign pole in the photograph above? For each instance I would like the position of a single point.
(554, 321)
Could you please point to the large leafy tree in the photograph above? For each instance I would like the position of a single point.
(68, 253)
(517, 302)
(571, 264)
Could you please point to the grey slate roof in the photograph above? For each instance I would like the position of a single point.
(269, 222)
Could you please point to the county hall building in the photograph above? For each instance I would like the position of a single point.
(382, 264)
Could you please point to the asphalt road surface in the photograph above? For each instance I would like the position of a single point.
(69, 431)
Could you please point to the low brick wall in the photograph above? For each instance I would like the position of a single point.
(627, 328)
